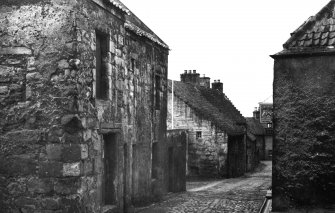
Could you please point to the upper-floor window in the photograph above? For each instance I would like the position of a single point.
(132, 64)
(157, 91)
(198, 135)
(102, 83)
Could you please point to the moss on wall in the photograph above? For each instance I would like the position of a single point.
(304, 122)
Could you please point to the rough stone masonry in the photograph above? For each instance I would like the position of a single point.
(55, 120)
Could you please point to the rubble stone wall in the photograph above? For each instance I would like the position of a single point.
(51, 124)
(303, 158)
(206, 155)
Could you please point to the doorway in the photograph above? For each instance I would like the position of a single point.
(110, 166)
(171, 169)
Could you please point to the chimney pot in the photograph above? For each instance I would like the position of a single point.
(185, 71)
(219, 80)
(194, 71)
(214, 81)
(190, 71)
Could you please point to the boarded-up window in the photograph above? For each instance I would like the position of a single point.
(102, 83)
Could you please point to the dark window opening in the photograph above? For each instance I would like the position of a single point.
(154, 174)
(198, 135)
(157, 91)
(102, 82)
(133, 64)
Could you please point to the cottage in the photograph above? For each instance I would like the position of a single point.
(83, 106)
(217, 142)
(304, 99)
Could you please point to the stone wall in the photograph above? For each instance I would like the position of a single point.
(252, 155)
(303, 158)
(52, 126)
(206, 155)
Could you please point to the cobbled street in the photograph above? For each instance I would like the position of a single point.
(244, 194)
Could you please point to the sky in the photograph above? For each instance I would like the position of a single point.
(226, 40)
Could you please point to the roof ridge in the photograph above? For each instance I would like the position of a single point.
(136, 25)
(195, 97)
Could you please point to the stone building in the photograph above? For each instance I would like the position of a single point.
(264, 116)
(217, 130)
(83, 106)
(304, 116)
(256, 146)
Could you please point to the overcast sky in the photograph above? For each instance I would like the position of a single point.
(226, 40)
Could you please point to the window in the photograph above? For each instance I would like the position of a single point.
(102, 83)
(157, 91)
(133, 64)
(198, 135)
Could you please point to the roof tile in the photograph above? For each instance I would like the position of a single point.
(324, 35)
(331, 42)
(317, 35)
(301, 43)
(316, 42)
(324, 42)
(309, 35)
(309, 42)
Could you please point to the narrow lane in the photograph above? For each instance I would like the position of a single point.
(244, 194)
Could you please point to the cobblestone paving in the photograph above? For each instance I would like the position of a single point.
(245, 194)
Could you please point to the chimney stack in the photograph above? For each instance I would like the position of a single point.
(217, 85)
(190, 77)
(205, 81)
(256, 113)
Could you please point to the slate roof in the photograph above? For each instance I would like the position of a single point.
(315, 35)
(255, 127)
(211, 105)
(134, 24)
